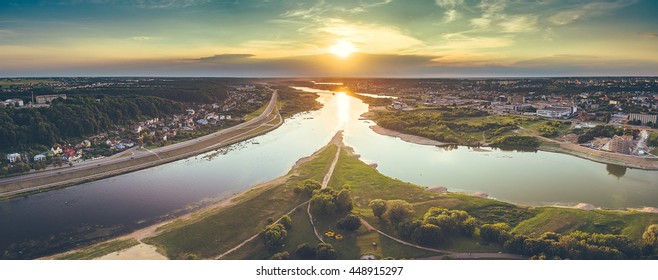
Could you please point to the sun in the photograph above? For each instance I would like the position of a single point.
(343, 48)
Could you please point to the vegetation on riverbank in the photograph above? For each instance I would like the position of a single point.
(294, 101)
(429, 220)
(99, 250)
(211, 233)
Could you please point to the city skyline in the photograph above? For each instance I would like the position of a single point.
(386, 38)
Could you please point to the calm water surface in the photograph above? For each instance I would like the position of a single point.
(54, 221)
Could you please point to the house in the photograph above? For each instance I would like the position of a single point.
(57, 150)
(39, 157)
(14, 157)
(15, 102)
(202, 121)
(43, 99)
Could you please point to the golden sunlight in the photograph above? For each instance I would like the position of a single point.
(343, 109)
(343, 48)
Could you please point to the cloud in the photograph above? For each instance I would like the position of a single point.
(228, 57)
(588, 10)
(449, 3)
(371, 38)
(457, 41)
(141, 38)
(491, 11)
(451, 15)
(648, 35)
(146, 4)
(519, 24)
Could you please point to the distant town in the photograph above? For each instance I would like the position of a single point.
(583, 103)
(194, 121)
(629, 102)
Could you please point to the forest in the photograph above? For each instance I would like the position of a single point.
(75, 117)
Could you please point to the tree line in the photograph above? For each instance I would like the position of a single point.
(76, 117)
(438, 225)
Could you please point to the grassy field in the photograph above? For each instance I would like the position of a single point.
(99, 250)
(564, 220)
(212, 233)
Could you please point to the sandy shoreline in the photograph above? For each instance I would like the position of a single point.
(407, 137)
(135, 252)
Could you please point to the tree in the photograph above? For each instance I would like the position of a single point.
(650, 236)
(350, 223)
(344, 200)
(281, 256)
(494, 232)
(274, 236)
(397, 211)
(323, 202)
(307, 188)
(429, 235)
(305, 252)
(286, 221)
(324, 251)
(378, 207)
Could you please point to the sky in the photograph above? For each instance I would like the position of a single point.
(278, 38)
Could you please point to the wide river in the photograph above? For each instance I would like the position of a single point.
(54, 221)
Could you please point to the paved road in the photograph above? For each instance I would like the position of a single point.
(160, 155)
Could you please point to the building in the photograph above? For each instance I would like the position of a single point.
(15, 102)
(14, 157)
(44, 99)
(621, 144)
(516, 99)
(644, 118)
(39, 157)
(556, 112)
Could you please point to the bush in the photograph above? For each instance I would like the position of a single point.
(378, 207)
(274, 236)
(324, 251)
(350, 223)
(305, 252)
(280, 256)
(286, 221)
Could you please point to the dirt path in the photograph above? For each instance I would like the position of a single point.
(338, 140)
(255, 235)
(456, 255)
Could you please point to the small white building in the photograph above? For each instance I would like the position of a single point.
(15, 102)
(202, 121)
(13, 157)
(39, 157)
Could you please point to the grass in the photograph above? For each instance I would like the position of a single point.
(565, 220)
(256, 113)
(99, 250)
(654, 151)
(212, 233)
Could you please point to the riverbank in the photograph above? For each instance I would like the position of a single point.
(217, 228)
(598, 156)
(555, 147)
(218, 208)
(268, 120)
(407, 137)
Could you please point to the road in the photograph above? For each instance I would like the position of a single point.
(118, 164)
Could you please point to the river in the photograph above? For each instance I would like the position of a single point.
(41, 224)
